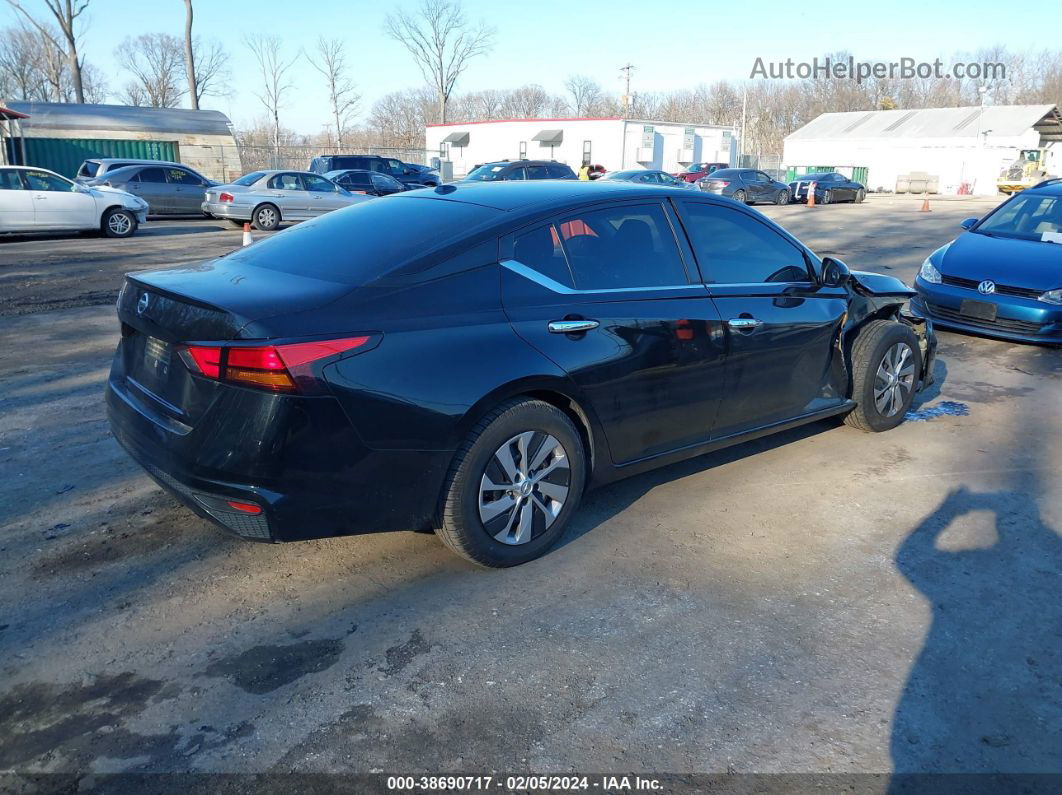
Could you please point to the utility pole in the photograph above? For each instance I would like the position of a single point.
(744, 107)
(627, 92)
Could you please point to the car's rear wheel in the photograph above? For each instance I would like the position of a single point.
(739, 196)
(266, 217)
(118, 223)
(886, 364)
(783, 197)
(514, 484)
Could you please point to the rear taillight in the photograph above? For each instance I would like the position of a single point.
(719, 183)
(276, 368)
(227, 198)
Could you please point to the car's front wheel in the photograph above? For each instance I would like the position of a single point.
(513, 485)
(118, 223)
(860, 195)
(266, 217)
(886, 364)
(783, 197)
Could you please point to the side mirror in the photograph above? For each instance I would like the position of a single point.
(967, 223)
(834, 273)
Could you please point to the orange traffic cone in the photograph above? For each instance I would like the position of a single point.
(925, 204)
(247, 239)
(811, 195)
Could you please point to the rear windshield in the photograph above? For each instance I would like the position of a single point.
(88, 169)
(359, 244)
(726, 172)
(486, 173)
(249, 179)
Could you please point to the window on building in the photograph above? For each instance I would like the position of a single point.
(586, 151)
(523, 150)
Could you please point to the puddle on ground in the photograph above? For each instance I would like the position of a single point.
(947, 408)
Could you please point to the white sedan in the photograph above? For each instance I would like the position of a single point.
(38, 200)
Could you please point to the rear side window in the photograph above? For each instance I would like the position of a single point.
(364, 242)
(537, 172)
(559, 172)
(540, 250)
(9, 180)
(735, 248)
(88, 169)
(285, 182)
(152, 175)
(629, 246)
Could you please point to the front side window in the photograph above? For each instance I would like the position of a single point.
(630, 246)
(735, 248)
(43, 181)
(9, 180)
(384, 182)
(316, 184)
(486, 173)
(181, 177)
(517, 173)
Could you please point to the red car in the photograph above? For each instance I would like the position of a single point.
(696, 171)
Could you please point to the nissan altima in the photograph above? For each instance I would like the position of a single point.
(1003, 276)
(472, 358)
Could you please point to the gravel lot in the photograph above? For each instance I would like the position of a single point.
(819, 601)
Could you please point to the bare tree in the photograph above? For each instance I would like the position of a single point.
(275, 81)
(331, 61)
(211, 69)
(155, 60)
(441, 42)
(586, 94)
(189, 56)
(66, 13)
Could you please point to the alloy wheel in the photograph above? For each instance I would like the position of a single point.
(783, 197)
(119, 224)
(894, 379)
(524, 487)
(266, 217)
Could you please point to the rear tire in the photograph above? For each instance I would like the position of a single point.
(739, 196)
(527, 520)
(266, 217)
(826, 198)
(118, 223)
(886, 364)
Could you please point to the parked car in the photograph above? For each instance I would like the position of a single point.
(472, 358)
(168, 190)
(745, 185)
(369, 183)
(266, 198)
(409, 173)
(646, 177)
(504, 170)
(1003, 276)
(98, 167)
(698, 171)
(38, 200)
(829, 187)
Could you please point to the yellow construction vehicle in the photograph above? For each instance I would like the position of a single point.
(1031, 167)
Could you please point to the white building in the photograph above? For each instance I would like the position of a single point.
(963, 148)
(613, 143)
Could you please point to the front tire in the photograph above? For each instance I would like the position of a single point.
(118, 223)
(783, 197)
(514, 484)
(860, 195)
(266, 217)
(886, 363)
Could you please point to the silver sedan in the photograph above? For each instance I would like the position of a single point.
(265, 198)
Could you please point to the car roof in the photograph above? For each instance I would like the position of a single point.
(1049, 187)
(543, 194)
(131, 160)
(352, 171)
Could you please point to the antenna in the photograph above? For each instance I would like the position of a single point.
(627, 68)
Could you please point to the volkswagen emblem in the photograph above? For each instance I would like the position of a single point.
(142, 304)
(987, 287)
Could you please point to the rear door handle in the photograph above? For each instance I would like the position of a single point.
(572, 326)
(744, 323)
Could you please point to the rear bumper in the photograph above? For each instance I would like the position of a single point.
(298, 458)
(226, 210)
(1017, 319)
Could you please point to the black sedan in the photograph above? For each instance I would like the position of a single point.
(370, 183)
(472, 358)
(745, 185)
(830, 187)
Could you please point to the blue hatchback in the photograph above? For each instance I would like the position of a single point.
(1003, 277)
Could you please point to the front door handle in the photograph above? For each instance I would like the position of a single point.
(744, 323)
(572, 326)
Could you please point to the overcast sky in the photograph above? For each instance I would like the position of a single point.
(673, 44)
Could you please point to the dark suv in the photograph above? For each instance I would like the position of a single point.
(470, 358)
(406, 173)
(519, 169)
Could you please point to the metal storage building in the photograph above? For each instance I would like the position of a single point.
(59, 136)
(613, 142)
(964, 149)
